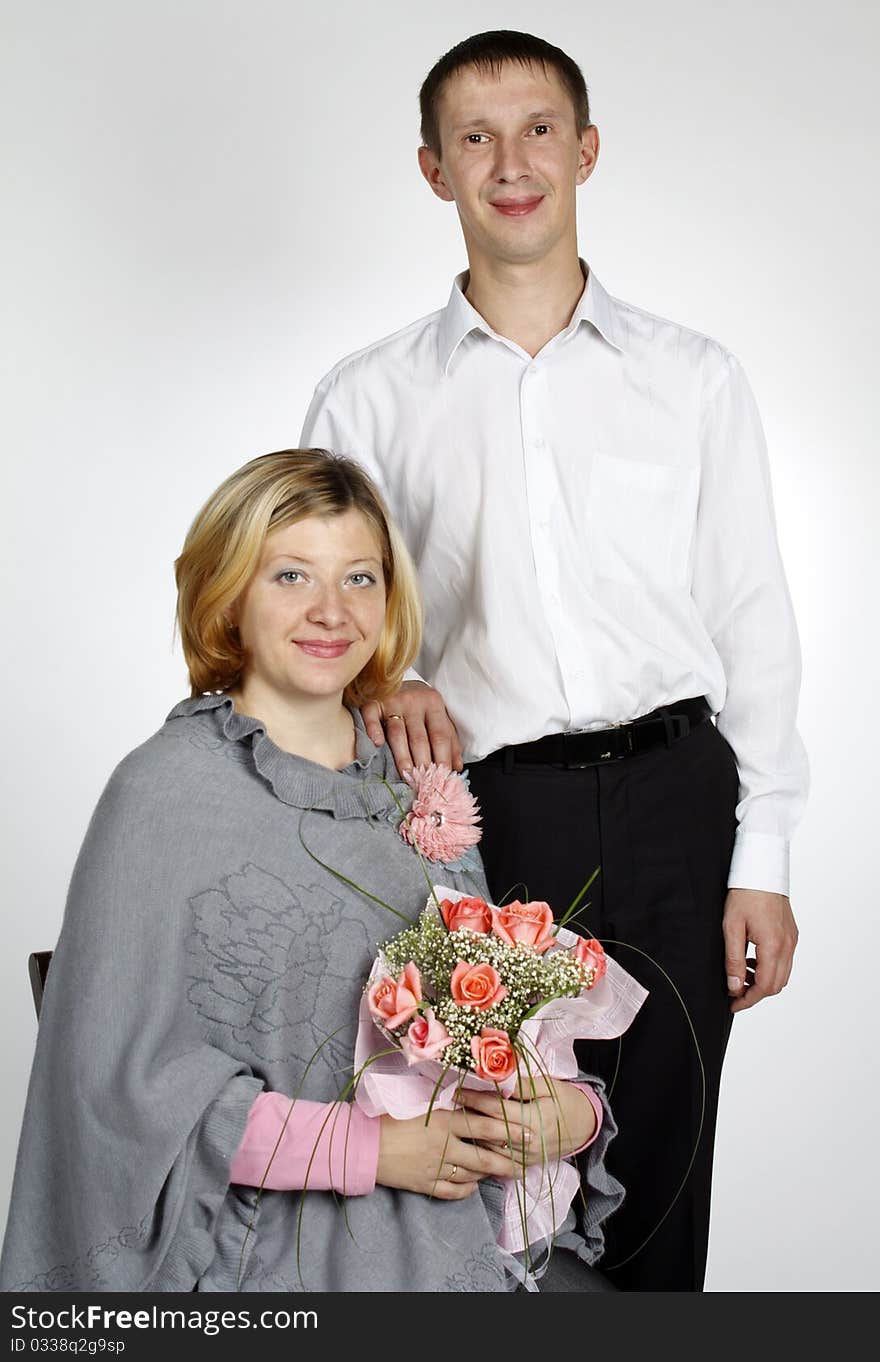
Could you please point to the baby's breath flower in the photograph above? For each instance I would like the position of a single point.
(530, 978)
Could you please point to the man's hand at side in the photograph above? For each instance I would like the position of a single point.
(417, 726)
(767, 920)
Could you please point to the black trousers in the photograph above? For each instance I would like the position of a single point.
(660, 826)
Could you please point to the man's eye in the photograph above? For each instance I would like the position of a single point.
(476, 138)
(541, 128)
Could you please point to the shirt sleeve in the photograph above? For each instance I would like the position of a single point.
(741, 593)
(324, 1146)
(328, 425)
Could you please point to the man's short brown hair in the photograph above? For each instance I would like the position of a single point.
(489, 52)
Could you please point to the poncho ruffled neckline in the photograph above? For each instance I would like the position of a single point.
(359, 790)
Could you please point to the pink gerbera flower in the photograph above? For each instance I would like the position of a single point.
(443, 819)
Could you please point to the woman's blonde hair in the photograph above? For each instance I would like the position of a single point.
(225, 543)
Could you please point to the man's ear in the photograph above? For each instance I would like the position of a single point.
(429, 165)
(588, 154)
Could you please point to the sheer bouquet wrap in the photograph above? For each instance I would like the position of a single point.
(483, 997)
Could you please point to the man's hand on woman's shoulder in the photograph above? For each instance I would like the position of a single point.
(417, 726)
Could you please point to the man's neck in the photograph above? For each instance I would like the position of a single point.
(528, 303)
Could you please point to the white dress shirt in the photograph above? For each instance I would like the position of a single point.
(594, 533)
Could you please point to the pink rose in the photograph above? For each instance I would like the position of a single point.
(392, 1003)
(478, 985)
(591, 955)
(530, 923)
(494, 1054)
(426, 1038)
(475, 914)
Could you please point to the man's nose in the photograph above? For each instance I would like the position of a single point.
(511, 159)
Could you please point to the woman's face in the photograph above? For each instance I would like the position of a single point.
(311, 616)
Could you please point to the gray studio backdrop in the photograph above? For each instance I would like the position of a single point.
(207, 203)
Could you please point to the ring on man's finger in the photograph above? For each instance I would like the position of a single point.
(393, 716)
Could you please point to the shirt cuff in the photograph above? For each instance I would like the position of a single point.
(596, 1103)
(759, 861)
(324, 1146)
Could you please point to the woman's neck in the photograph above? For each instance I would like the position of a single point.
(319, 728)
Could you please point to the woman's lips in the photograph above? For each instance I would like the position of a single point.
(517, 208)
(316, 649)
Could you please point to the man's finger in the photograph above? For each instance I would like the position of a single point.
(396, 732)
(443, 735)
(439, 729)
(417, 739)
(763, 987)
(753, 995)
(788, 968)
(735, 956)
(371, 713)
(783, 966)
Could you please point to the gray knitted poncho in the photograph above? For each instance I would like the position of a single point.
(205, 955)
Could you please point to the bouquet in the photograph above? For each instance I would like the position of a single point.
(479, 996)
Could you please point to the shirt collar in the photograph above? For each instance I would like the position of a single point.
(459, 318)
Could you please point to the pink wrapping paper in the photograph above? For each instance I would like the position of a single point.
(389, 1086)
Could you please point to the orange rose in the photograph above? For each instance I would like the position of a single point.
(530, 923)
(591, 955)
(393, 1003)
(495, 1056)
(474, 914)
(479, 986)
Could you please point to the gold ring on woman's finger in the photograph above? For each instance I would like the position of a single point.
(453, 1173)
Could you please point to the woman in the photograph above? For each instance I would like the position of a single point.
(210, 963)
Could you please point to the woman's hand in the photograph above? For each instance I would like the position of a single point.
(558, 1116)
(443, 1159)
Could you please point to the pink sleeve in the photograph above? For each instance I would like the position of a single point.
(325, 1145)
(596, 1102)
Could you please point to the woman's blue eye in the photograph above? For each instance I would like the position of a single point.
(286, 576)
(363, 576)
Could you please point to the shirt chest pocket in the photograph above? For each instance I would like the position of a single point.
(641, 519)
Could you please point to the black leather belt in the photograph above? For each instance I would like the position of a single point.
(661, 728)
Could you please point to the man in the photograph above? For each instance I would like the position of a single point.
(585, 490)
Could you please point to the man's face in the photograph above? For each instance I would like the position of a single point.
(511, 159)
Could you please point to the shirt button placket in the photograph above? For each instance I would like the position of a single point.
(541, 491)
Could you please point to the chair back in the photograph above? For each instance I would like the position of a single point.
(38, 968)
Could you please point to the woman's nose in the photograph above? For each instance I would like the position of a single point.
(327, 606)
